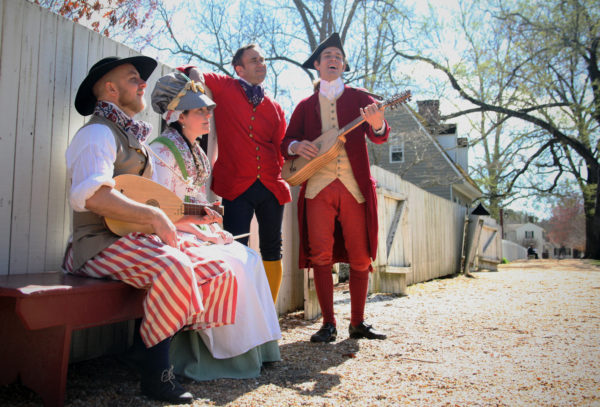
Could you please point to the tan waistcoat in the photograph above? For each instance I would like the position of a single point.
(90, 235)
(338, 168)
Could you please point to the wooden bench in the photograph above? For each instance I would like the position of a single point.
(39, 312)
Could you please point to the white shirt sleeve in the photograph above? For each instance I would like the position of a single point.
(381, 130)
(90, 163)
(290, 147)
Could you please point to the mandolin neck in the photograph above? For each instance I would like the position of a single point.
(193, 209)
(351, 126)
(357, 122)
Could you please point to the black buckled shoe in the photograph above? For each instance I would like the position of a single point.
(363, 330)
(327, 333)
(163, 386)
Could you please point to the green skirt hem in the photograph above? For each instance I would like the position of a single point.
(191, 358)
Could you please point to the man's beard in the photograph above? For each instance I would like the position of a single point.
(134, 104)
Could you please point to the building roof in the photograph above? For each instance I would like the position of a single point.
(471, 189)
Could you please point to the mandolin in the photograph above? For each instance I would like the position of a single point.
(297, 170)
(146, 191)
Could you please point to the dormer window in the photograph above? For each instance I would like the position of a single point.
(397, 153)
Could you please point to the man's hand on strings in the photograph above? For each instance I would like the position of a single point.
(305, 148)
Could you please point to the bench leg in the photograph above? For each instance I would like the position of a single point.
(39, 357)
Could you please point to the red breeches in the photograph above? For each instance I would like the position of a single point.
(333, 203)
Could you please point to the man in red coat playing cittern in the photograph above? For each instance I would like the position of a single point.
(337, 207)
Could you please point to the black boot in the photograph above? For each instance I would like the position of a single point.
(158, 381)
(162, 386)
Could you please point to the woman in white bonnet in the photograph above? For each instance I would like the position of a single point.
(231, 351)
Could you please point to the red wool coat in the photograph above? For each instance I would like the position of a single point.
(305, 124)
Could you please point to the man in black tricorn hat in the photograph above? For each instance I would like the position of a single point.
(179, 287)
(337, 206)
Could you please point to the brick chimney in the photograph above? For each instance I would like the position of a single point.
(430, 111)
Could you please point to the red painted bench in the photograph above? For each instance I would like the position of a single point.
(38, 313)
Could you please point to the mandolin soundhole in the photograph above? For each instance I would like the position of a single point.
(153, 202)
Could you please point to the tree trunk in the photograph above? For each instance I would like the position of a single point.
(591, 205)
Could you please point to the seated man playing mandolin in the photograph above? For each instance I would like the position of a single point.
(181, 287)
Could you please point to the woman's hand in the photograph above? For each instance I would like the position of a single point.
(225, 237)
(198, 233)
(210, 216)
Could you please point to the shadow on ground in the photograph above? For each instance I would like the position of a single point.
(107, 382)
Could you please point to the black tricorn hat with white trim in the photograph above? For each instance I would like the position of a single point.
(332, 41)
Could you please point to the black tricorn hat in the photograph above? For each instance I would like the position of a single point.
(85, 101)
(332, 41)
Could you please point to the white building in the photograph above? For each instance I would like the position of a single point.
(529, 234)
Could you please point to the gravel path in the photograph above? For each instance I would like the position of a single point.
(528, 335)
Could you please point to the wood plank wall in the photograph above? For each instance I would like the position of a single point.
(44, 57)
(434, 227)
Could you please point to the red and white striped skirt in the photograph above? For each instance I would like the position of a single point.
(185, 291)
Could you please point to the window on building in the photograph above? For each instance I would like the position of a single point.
(397, 153)
(529, 234)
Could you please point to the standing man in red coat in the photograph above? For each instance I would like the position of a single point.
(337, 207)
(247, 174)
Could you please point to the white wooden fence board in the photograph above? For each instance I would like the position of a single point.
(398, 270)
(291, 294)
(29, 43)
(109, 47)
(395, 244)
(9, 80)
(58, 217)
(3, 5)
(79, 68)
(42, 145)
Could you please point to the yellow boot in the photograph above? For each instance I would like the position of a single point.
(274, 271)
